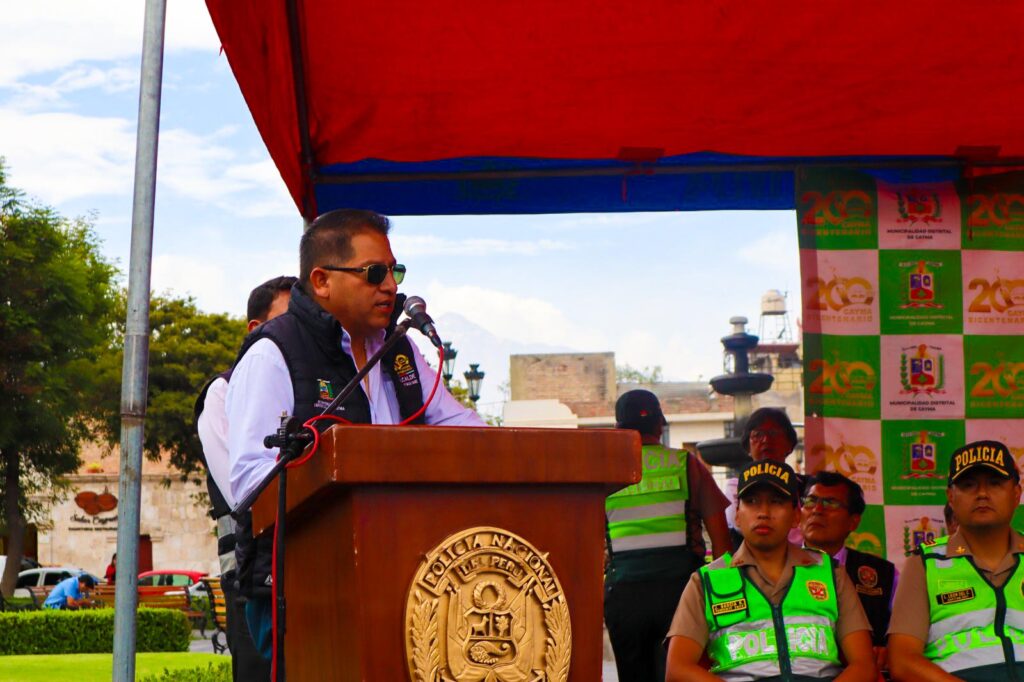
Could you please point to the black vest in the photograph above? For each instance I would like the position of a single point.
(873, 579)
(218, 505)
(310, 340)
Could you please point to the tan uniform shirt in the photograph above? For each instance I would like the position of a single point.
(910, 610)
(690, 621)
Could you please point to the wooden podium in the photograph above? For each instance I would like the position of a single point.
(447, 553)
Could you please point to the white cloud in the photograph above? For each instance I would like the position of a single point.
(676, 353)
(518, 318)
(433, 245)
(114, 79)
(62, 156)
(776, 250)
(45, 35)
(216, 286)
(607, 221)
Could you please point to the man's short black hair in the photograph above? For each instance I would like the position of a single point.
(854, 493)
(87, 580)
(262, 297)
(328, 241)
(763, 414)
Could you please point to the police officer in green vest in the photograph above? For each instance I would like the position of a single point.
(655, 540)
(773, 610)
(959, 609)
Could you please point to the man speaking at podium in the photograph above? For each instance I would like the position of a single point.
(340, 313)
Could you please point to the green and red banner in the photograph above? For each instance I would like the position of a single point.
(913, 320)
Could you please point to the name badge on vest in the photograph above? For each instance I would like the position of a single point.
(404, 370)
(955, 597)
(729, 607)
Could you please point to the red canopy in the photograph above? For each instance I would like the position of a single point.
(420, 81)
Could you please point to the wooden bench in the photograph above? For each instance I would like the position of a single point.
(39, 593)
(219, 615)
(163, 597)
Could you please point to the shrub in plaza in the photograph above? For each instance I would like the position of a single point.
(89, 631)
(211, 673)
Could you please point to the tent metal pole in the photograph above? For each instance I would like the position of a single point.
(135, 370)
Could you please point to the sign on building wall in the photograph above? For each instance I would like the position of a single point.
(913, 318)
(94, 512)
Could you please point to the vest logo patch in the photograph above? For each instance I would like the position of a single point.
(326, 389)
(404, 370)
(867, 576)
(729, 607)
(402, 364)
(867, 582)
(955, 597)
(817, 589)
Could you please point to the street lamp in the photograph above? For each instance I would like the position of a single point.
(474, 377)
(449, 363)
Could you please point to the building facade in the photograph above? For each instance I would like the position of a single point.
(176, 531)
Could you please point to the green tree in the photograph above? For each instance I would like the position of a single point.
(56, 301)
(187, 348)
(626, 374)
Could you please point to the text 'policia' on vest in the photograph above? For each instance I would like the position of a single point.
(750, 636)
(310, 341)
(649, 517)
(976, 631)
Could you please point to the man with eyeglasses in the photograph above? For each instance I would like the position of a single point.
(832, 509)
(772, 610)
(341, 311)
(959, 609)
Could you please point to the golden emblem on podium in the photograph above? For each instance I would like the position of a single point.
(485, 606)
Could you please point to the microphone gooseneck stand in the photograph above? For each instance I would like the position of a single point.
(292, 437)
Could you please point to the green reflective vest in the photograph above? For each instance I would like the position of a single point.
(652, 513)
(750, 638)
(973, 625)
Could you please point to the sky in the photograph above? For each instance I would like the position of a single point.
(657, 289)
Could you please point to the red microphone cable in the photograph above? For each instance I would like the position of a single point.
(309, 423)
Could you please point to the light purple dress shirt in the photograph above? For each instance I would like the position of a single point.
(260, 390)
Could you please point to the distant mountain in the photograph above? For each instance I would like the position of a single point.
(477, 345)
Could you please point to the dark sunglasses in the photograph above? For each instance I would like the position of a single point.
(375, 273)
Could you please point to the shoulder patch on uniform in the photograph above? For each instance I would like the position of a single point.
(817, 589)
(955, 597)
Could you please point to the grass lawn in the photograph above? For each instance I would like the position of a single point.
(94, 667)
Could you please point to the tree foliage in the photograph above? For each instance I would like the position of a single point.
(626, 374)
(187, 348)
(56, 300)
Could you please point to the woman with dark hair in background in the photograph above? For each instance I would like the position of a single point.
(767, 435)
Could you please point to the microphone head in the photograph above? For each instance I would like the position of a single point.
(414, 305)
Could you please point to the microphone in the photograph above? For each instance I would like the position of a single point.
(416, 309)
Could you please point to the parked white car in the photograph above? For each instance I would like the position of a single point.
(50, 575)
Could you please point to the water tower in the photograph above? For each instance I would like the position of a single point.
(774, 326)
